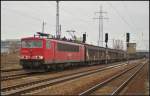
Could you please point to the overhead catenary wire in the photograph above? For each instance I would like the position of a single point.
(25, 14)
(40, 20)
(131, 19)
(129, 15)
(122, 18)
(73, 14)
(77, 17)
(15, 24)
(29, 16)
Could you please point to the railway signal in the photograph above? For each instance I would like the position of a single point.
(127, 40)
(106, 37)
(128, 37)
(106, 40)
(84, 37)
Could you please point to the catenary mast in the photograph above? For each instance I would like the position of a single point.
(57, 21)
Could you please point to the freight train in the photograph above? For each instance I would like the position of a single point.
(51, 53)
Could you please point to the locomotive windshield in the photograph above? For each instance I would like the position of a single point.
(31, 44)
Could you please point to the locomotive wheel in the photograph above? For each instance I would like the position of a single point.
(46, 68)
(53, 67)
(59, 67)
(25, 67)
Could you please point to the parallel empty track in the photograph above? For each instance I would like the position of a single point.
(16, 76)
(113, 85)
(10, 70)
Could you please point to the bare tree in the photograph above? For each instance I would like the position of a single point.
(14, 47)
(118, 44)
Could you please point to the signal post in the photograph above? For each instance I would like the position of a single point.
(106, 52)
(127, 42)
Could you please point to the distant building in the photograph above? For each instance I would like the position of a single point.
(10, 45)
(131, 48)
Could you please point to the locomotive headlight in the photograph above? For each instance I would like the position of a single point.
(40, 57)
(37, 57)
(24, 57)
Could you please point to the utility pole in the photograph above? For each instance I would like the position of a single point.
(43, 26)
(57, 21)
(60, 28)
(100, 38)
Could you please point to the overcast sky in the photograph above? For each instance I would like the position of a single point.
(24, 18)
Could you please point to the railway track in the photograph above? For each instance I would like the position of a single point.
(115, 84)
(10, 70)
(32, 86)
(16, 76)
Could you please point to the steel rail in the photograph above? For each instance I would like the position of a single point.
(90, 90)
(51, 81)
(39, 81)
(124, 84)
(9, 70)
(16, 76)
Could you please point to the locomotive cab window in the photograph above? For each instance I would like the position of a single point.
(31, 44)
(48, 44)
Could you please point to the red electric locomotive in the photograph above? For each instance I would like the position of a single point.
(44, 53)
(37, 52)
